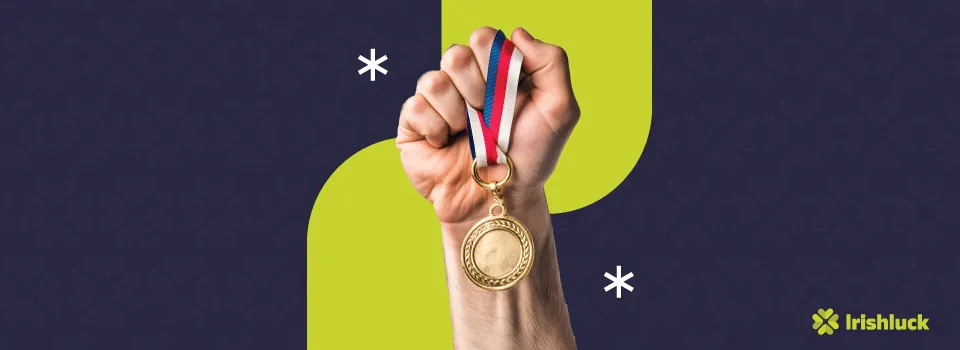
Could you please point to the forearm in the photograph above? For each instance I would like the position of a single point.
(531, 315)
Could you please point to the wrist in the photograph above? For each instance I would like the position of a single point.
(527, 205)
(532, 314)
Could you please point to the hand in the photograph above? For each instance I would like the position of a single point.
(434, 151)
(436, 156)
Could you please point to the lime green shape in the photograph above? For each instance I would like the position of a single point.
(375, 272)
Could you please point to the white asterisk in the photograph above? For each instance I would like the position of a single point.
(373, 64)
(619, 282)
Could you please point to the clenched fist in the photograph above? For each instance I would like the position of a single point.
(436, 156)
(435, 151)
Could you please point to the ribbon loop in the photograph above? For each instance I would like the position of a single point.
(489, 130)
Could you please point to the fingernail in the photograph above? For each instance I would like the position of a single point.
(526, 33)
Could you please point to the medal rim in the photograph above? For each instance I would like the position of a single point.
(468, 261)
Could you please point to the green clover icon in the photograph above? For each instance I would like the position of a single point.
(825, 321)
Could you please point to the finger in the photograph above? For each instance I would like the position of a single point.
(546, 64)
(460, 64)
(419, 121)
(439, 90)
(480, 42)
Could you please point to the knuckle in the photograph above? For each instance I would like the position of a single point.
(416, 104)
(457, 123)
(559, 53)
(433, 81)
(563, 104)
(456, 58)
(437, 129)
(482, 36)
(565, 107)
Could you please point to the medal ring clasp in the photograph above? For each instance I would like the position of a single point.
(494, 186)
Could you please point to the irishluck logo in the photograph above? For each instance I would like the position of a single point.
(825, 322)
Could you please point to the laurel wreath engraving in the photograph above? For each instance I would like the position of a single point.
(526, 254)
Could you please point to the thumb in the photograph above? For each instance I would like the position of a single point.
(546, 64)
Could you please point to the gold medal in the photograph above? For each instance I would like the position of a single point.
(498, 251)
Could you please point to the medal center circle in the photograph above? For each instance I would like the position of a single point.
(497, 253)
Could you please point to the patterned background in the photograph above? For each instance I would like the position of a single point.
(802, 155)
(159, 159)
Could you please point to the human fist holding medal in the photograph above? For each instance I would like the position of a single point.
(478, 140)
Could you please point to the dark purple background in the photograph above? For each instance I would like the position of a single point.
(159, 160)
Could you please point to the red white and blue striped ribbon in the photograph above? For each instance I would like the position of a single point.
(489, 130)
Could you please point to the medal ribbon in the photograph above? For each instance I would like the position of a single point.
(489, 130)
